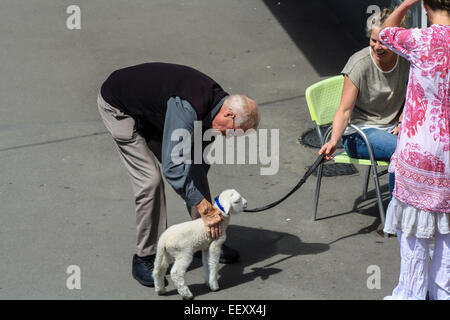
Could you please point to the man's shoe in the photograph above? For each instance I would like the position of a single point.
(143, 268)
(227, 255)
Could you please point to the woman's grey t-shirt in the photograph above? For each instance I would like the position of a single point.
(381, 94)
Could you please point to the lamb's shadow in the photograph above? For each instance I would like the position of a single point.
(256, 246)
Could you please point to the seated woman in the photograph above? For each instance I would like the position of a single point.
(373, 96)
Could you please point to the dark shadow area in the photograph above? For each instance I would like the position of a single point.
(353, 15)
(327, 32)
(255, 246)
(337, 169)
(311, 139)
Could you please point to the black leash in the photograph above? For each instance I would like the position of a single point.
(318, 161)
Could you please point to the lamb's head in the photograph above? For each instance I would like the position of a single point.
(232, 201)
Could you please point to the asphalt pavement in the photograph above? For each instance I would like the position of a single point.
(66, 200)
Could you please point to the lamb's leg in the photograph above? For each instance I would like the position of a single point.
(177, 273)
(205, 258)
(159, 270)
(213, 263)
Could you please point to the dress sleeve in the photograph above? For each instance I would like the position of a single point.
(408, 43)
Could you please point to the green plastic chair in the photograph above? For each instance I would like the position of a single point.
(323, 99)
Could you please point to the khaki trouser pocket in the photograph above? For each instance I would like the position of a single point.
(120, 125)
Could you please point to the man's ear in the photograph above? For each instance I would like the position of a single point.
(228, 113)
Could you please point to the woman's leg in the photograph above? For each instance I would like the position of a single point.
(383, 145)
(413, 280)
(440, 268)
(391, 184)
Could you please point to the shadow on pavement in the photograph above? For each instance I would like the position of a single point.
(255, 246)
(327, 32)
(317, 34)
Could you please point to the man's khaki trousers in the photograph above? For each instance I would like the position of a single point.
(143, 168)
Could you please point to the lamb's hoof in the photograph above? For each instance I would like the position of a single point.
(214, 288)
(186, 294)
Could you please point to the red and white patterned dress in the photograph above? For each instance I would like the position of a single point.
(421, 161)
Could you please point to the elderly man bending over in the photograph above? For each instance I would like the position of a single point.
(141, 106)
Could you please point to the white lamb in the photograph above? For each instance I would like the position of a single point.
(181, 241)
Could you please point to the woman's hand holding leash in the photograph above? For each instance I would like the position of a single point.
(328, 149)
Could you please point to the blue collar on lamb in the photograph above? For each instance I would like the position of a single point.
(219, 205)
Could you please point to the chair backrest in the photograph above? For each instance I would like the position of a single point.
(323, 99)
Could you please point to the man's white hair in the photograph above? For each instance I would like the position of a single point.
(246, 111)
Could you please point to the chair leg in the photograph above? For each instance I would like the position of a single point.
(317, 192)
(366, 183)
(375, 173)
(319, 133)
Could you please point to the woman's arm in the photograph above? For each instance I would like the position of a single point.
(341, 118)
(395, 19)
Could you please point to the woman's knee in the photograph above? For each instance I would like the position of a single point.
(353, 145)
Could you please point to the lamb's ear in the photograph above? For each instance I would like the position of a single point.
(226, 205)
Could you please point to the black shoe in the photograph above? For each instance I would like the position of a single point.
(142, 270)
(227, 255)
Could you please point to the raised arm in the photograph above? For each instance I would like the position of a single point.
(395, 19)
(341, 118)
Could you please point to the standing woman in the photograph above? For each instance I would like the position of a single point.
(420, 207)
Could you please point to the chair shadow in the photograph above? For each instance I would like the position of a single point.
(369, 209)
(255, 246)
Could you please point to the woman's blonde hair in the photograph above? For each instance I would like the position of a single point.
(377, 19)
